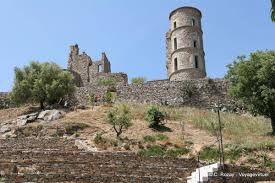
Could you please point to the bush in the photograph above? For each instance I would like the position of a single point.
(108, 97)
(155, 117)
(155, 150)
(99, 139)
(138, 80)
(120, 118)
(209, 153)
(149, 139)
(72, 128)
(177, 152)
(161, 137)
(107, 82)
(92, 99)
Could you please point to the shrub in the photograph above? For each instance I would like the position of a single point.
(154, 116)
(149, 138)
(209, 153)
(120, 118)
(108, 97)
(155, 150)
(92, 99)
(72, 128)
(138, 80)
(99, 139)
(177, 152)
(107, 81)
(161, 137)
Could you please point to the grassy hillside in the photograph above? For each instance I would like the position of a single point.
(187, 132)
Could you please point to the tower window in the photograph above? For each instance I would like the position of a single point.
(193, 22)
(175, 64)
(196, 62)
(175, 25)
(195, 44)
(175, 44)
(100, 68)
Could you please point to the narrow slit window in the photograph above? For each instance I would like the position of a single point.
(175, 44)
(175, 64)
(196, 62)
(175, 25)
(195, 44)
(193, 22)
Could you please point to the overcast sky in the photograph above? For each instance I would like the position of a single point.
(131, 32)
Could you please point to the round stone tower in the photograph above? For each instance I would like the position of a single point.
(184, 44)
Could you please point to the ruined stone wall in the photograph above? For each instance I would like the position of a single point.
(198, 93)
(98, 88)
(203, 93)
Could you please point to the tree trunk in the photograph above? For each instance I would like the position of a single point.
(273, 124)
(42, 105)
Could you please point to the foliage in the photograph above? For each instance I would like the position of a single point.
(120, 118)
(152, 139)
(155, 117)
(92, 99)
(107, 81)
(155, 150)
(161, 137)
(273, 10)
(99, 139)
(149, 139)
(138, 80)
(160, 150)
(188, 89)
(209, 153)
(41, 82)
(253, 82)
(108, 97)
(177, 152)
(72, 128)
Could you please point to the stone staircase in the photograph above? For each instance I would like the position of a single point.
(59, 160)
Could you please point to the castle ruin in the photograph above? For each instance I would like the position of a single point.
(186, 83)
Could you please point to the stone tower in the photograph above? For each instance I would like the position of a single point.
(184, 45)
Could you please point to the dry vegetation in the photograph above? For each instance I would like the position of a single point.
(189, 130)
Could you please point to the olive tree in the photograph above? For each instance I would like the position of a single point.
(253, 82)
(120, 118)
(41, 83)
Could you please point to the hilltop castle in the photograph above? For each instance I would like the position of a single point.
(186, 83)
(185, 54)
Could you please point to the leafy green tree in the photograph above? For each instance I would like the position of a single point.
(120, 118)
(154, 116)
(273, 10)
(41, 83)
(253, 82)
(138, 80)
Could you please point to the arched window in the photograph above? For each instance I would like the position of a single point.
(100, 68)
(193, 22)
(175, 24)
(175, 64)
(196, 62)
(175, 44)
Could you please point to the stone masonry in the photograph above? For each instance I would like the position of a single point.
(184, 45)
(186, 84)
